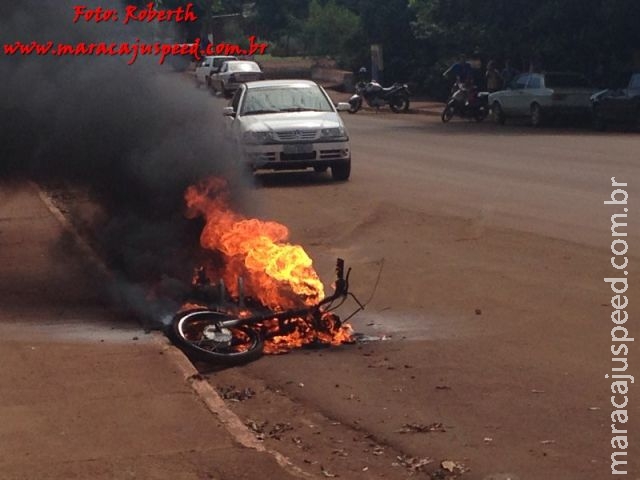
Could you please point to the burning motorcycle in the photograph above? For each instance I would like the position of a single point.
(466, 102)
(396, 96)
(233, 331)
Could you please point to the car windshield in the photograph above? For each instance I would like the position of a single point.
(561, 80)
(244, 67)
(289, 98)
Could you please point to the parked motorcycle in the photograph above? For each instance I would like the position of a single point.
(466, 102)
(376, 96)
(231, 331)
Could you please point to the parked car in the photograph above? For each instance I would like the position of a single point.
(208, 67)
(289, 125)
(541, 96)
(618, 105)
(233, 73)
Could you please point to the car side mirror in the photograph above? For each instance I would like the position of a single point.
(342, 107)
(228, 112)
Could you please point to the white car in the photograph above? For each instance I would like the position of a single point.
(208, 67)
(233, 73)
(541, 96)
(289, 125)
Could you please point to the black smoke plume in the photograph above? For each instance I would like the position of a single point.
(134, 135)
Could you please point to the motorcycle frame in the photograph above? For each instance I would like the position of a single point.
(341, 291)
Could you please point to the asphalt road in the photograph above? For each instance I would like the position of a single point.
(494, 244)
(549, 181)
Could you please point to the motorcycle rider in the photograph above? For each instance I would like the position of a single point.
(463, 73)
(466, 100)
(362, 75)
(461, 70)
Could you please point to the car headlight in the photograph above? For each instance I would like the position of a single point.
(257, 137)
(334, 133)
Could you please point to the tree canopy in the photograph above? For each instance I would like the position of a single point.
(419, 37)
(560, 34)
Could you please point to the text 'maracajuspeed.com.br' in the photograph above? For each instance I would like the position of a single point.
(132, 50)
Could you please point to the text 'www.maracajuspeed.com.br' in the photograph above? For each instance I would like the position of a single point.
(131, 50)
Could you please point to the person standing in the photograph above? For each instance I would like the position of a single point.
(508, 73)
(493, 77)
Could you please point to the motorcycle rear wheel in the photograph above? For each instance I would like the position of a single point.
(192, 332)
(355, 106)
(399, 104)
(447, 114)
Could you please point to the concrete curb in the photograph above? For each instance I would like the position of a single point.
(68, 226)
(215, 404)
(203, 390)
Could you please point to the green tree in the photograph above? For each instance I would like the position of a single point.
(388, 22)
(276, 17)
(563, 34)
(205, 10)
(330, 28)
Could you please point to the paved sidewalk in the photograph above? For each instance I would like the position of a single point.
(86, 395)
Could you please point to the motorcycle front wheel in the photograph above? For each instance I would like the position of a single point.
(198, 334)
(399, 104)
(447, 113)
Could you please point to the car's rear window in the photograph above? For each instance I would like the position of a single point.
(219, 61)
(562, 80)
(244, 67)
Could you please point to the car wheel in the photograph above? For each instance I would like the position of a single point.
(536, 115)
(498, 114)
(341, 171)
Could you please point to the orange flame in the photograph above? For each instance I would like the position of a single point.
(278, 274)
